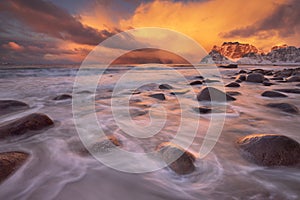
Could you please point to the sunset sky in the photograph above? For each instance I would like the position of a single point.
(65, 31)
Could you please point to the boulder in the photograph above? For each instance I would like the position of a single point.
(270, 149)
(284, 73)
(232, 84)
(9, 106)
(273, 94)
(178, 159)
(285, 107)
(10, 162)
(267, 83)
(63, 97)
(196, 82)
(165, 87)
(159, 96)
(213, 94)
(255, 78)
(32, 122)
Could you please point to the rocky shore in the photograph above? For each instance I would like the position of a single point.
(265, 149)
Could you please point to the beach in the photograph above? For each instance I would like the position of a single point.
(56, 169)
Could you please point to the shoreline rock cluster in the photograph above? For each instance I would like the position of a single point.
(28, 125)
(261, 149)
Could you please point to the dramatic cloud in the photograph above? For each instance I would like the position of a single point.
(284, 21)
(45, 17)
(201, 20)
(41, 31)
(39, 52)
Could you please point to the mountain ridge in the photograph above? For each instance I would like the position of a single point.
(243, 53)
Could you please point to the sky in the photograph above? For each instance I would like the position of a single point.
(65, 31)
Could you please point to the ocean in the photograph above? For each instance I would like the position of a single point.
(55, 171)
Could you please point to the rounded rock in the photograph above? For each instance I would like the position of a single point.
(255, 78)
(270, 149)
(179, 160)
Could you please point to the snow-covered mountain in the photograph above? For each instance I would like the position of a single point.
(235, 52)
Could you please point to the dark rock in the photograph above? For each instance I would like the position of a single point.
(298, 85)
(289, 90)
(11, 162)
(165, 87)
(9, 106)
(32, 122)
(241, 77)
(285, 73)
(260, 71)
(179, 160)
(210, 81)
(242, 71)
(159, 96)
(285, 107)
(233, 93)
(267, 83)
(179, 91)
(293, 79)
(232, 84)
(213, 94)
(203, 110)
(199, 77)
(270, 149)
(238, 81)
(273, 94)
(196, 83)
(63, 97)
(255, 78)
(214, 109)
(230, 66)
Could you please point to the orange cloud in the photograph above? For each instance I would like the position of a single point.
(13, 46)
(206, 21)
